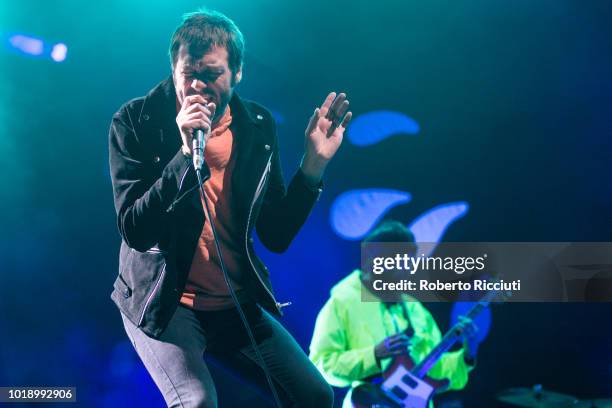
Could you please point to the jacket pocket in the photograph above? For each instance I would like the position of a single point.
(122, 287)
(144, 267)
(139, 278)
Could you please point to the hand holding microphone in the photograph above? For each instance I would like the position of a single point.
(194, 121)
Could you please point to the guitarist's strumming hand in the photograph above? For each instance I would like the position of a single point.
(392, 346)
(467, 331)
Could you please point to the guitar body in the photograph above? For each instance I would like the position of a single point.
(406, 385)
(400, 388)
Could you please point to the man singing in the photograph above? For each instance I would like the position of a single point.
(171, 290)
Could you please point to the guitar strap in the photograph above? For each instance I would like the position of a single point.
(410, 329)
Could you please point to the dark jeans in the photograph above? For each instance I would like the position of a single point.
(176, 363)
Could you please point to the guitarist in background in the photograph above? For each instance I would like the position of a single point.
(354, 341)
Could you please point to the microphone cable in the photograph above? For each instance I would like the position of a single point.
(247, 327)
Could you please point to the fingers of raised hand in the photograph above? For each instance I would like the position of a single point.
(312, 123)
(338, 113)
(327, 103)
(346, 120)
(338, 106)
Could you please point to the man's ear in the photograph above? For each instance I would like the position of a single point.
(238, 76)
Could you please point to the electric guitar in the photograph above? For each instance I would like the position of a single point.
(406, 384)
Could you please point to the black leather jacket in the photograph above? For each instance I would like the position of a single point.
(159, 211)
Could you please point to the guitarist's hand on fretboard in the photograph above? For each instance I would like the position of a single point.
(467, 331)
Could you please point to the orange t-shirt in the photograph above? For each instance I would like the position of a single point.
(206, 288)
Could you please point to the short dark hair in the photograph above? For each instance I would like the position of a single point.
(390, 231)
(204, 29)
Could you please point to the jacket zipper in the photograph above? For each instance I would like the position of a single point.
(176, 197)
(246, 238)
(148, 302)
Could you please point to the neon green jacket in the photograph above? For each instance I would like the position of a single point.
(347, 330)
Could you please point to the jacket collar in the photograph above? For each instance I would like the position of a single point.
(160, 106)
(253, 140)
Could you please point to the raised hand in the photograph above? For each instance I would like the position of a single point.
(324, 135)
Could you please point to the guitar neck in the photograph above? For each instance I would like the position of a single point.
(421, 369)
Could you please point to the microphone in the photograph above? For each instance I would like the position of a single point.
(198, 143)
